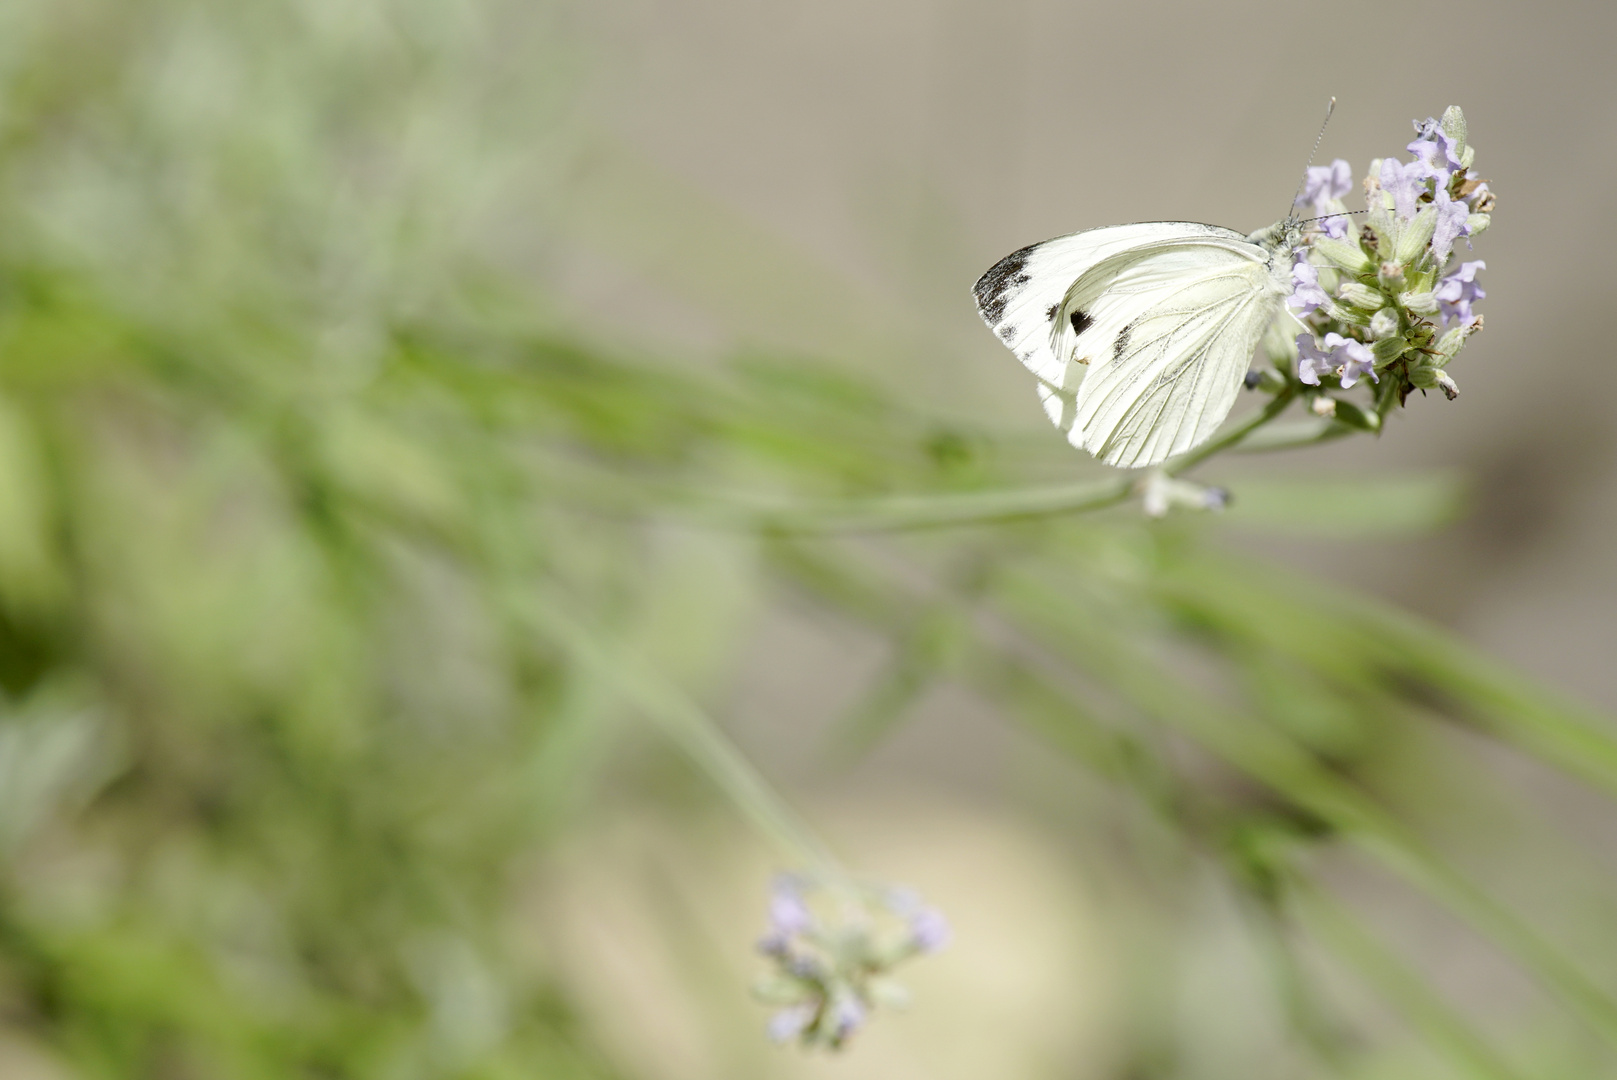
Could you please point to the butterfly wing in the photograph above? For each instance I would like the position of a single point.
(1140, 354)
(1020, 296)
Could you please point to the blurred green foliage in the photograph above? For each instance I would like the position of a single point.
(309, 523)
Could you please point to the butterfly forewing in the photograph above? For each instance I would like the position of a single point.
(1020, 296)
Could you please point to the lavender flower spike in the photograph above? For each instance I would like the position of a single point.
(831, 962)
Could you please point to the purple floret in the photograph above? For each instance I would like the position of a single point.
(1451, 224)
(1435, 149)
(1405, 182)
(929, 930)
(1351, 360)
(1456, 293)
(1306, 295)
(1325, 184)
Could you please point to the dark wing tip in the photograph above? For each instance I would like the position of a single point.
(993, 288)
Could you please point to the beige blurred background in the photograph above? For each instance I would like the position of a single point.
(830, 178)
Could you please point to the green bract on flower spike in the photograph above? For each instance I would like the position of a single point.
(1386, 304)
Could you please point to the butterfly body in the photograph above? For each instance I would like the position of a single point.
(1140, 335)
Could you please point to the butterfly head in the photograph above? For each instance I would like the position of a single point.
(1280, 239)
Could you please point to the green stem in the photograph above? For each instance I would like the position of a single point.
(904, 512)
(1292, 435)
(1292, 771)
(1393, 980)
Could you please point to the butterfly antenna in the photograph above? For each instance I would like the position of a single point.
(1327, 217)
(1329, 109)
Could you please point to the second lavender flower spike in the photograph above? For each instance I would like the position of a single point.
(833, 946)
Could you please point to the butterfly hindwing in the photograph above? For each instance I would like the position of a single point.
(1139, 334)
(1190, 320)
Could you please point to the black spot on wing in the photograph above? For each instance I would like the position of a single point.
(1007, 333)
(1121, 344)
(1050, 312)
(993, 289)
(1080, 321)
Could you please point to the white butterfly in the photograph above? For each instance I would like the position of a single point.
(1140, 335)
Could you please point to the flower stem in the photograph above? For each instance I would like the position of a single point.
(905, 512)
(1397, 982)
(931, 511)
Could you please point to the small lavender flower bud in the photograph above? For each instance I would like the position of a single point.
(1353, 416)
(1347, 256)
(1348, 314)
(1361, 296)
(1419, 303)
(1391, 276)
(1388, 349)
(1416, 235)
(888, 993)
(1372, 180)
(1454, 127)
(1478, 223)
(1384, 324)
(805, 968)
(1450, 389)
(778, 990)
(1427, 375)
(1323, 406)
(1451, 342)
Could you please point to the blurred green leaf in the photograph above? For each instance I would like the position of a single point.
(1344, 508)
